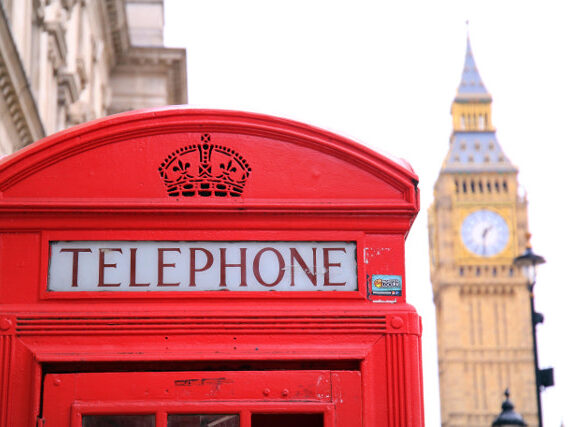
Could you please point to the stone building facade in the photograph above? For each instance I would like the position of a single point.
(64, 62)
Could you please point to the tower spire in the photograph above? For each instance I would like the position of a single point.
(474, 146)
(471, 87)
(471, 109)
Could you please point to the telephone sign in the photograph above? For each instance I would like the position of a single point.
(202, 266)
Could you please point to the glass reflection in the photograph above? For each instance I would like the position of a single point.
(118, 421)
(206, 420)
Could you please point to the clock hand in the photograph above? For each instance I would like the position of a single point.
(484, 235)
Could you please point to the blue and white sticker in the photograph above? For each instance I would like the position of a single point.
(385, 284)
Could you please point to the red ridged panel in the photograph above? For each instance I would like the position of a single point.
(6, 350)
(395, 380)
(68, 325)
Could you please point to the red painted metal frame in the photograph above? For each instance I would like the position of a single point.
(335, 394)
(100, 181)
(244, 409)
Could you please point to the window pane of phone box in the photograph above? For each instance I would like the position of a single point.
(118, 421)
(287, 420)
(209, 420)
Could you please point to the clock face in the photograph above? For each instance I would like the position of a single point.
(485, 233)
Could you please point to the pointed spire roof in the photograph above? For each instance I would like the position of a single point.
(471, 87)
(474, 146)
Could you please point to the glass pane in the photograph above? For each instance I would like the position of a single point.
(209, 420)
(118, 421)
(287, 420)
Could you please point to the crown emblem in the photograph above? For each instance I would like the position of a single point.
(204, 170)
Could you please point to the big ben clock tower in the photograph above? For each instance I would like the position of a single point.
(477, 225)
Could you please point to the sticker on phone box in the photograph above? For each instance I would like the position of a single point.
(383, 284)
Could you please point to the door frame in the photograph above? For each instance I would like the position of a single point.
(335, 394)
(162, 409)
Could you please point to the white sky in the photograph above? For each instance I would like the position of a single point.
(384, 73)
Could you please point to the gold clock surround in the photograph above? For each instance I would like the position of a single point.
(465, 256)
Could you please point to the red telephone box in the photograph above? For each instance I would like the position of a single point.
(182, 267)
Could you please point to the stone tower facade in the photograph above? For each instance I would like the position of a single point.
(477, 225)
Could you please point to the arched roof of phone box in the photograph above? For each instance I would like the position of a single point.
(182, 159)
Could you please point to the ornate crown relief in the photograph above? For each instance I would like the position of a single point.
(204, 170)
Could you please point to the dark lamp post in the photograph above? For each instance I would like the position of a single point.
(508, 417)
(528, 262)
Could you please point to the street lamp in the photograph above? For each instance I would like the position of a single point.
(528, 262)
(508, 417)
